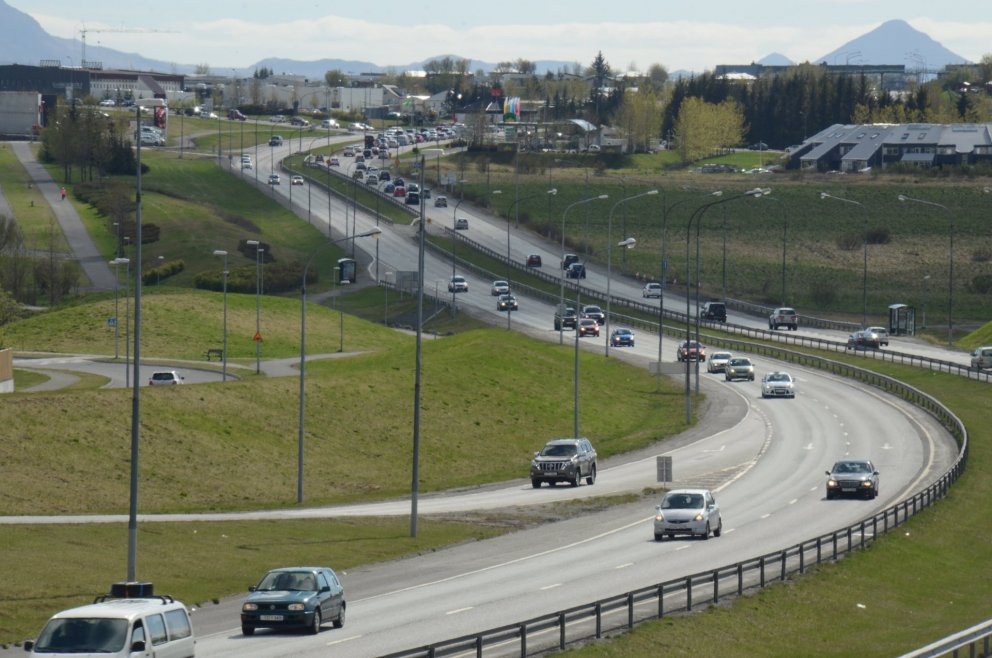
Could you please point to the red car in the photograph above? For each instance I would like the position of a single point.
(588, 327)
(691, 350)
(399, 191)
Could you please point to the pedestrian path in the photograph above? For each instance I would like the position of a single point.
(84, 250)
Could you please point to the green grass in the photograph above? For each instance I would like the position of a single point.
(34, 216)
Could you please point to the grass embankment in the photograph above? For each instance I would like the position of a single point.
(34, 216)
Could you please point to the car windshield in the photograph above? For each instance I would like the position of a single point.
(778, 377)
(682, 501)
(740, 362)
(720, 355)
(852, 467)
(91, 635)
(559, 450)
(300, 581)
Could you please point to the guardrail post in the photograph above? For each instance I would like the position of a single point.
(561, 631)
(761, 569)
(802, 557)
(716, 586)
(478, 646)
(661, 602)
(740, 579)
(688, 594)
(630, 609)
(523, 640)
(785, 556)
(599, 620)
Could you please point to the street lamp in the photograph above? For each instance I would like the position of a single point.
(628, 243)
(697, 216)
(221, 252)
(258, 299)
(117, 323)
(303, 337)
(950, 265)
(561, 296)
(864, 240)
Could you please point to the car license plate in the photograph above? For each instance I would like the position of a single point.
(270, 617)
(848, 489)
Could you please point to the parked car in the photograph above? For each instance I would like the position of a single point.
(882, 333)
(981, 358)
(565, 317)
(564, 460)
(499, 288)
(440, 201)
(534, 260)
(588, 327)
(691, 350)
(294, 597)
(461, 224)
(622, 337)
(852, 476)
(506, 302)
(692, 512)
(863, 340)
(715, 311)
(576, 271)
(594, 312)
(739, 368)
(778, 385)
(784, 317)
(651, 290)
(165, 378)
(457, 284)
(718, 361)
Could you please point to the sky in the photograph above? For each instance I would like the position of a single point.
(632, 35)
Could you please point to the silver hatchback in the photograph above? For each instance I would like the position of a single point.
(688, 512)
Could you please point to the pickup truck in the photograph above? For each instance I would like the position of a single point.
(784, 317)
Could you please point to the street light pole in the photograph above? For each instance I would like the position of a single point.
(697, 216)
(221, 252)
(626, 242)
(950, 265)
(561, 296)
(117, 313)
(303, 338)
(258, 299)
(864, 241)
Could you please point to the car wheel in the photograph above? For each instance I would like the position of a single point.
(751, 378)
(659, 536)
(247, 630)
(706, 532)
(830, 495)
(314, 627)
(577, 478)
(591, 480)
(719, 529)
(535, 483)
(339, 622)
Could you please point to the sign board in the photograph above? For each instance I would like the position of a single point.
(665, 468)
(450, 178)
(111, 322)
(258, 337)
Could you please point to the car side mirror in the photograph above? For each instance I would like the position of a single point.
(827, 472)
(28, 645)
(138, 646)
(537, 452)
(251, 588)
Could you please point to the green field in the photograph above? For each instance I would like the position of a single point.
(203, 446)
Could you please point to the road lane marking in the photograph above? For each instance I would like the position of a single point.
(459, 610)
(343, 640)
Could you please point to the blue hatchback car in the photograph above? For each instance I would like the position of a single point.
(294, 597)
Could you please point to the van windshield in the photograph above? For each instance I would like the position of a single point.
(82, 635)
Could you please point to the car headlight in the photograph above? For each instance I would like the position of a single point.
(700, 517)
(250, 607)
(659, 517)
(831, 482)
(296, 607)
(868, 484)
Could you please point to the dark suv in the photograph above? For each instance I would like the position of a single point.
(566, 460)
(716, 311)
(565, 317)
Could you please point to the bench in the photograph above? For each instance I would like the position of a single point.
(215, 351)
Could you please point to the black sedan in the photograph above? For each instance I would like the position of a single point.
(294, 597)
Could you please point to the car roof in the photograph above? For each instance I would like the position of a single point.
(129, 609)
(687, 491)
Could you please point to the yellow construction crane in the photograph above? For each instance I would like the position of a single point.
(84, 30)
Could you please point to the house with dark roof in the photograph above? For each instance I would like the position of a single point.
(853, 148)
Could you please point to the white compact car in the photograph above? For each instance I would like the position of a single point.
(688, 512)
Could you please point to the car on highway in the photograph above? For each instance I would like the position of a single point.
(457, 283)
(882, 333)
(863, 340)
(567, 260)
(275, 140)
(440, 201)
(334, 162)
(588, 327)
(651, 290)
(507, 302)
(594, 312)
(165, 378)
(739, 367)
(857, 477)
(784, 317)
(296, 180)
(718, 361)
(981, 358)
(576, 271)
(692, 512)
(294, 597)
(461, 224)
(534, 260)
(499, 287)
(274, 179)
(715, 311)
(778, 385)
(564, 460)
(691, 350)
(622, 337)
(565, 317)
(412, 199)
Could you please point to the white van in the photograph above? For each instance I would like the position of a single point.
(157, 626)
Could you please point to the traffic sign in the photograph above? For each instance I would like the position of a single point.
(258, 337)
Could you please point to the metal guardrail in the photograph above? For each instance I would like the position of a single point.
(557, 630)
(973, 642)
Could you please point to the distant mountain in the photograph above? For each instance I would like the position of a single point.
(894, 42)
(315, 69)
(775, 59)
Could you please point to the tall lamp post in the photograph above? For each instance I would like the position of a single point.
(221, 252)
(303, 337)
(864, 243)
(950, 264)
(626, 242)
(561, 295)
(117, 314)
(258, 300)
(697, 216)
